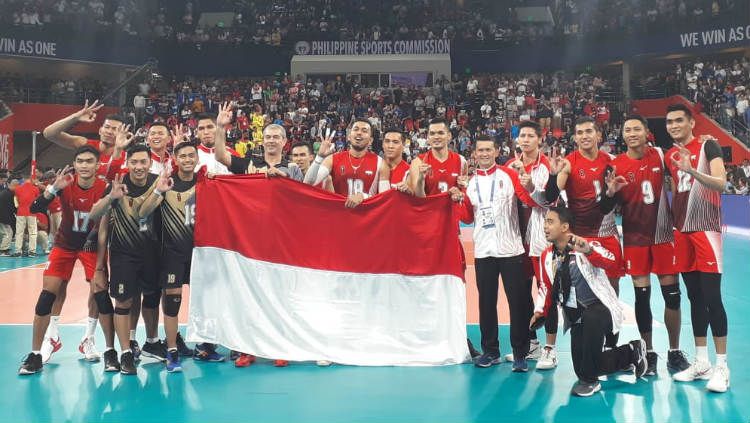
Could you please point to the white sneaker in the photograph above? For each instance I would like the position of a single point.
(719, 381)
(323, 363)
(535, 351)
(49, 347)
(548, 360)
(698, 370)
(88, 349)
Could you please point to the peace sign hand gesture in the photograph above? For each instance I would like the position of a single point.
(165, 182)
(88, 113)
(63, 178)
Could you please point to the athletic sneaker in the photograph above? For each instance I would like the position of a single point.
(698, 370)
(136, 349)
(111, 364)
(31, 364)
(639, 358)
(156, 350)
(244, 360)
(487, 360)
(207, 352)
(719, 381)
(87, 347)
(4, 253)
(50, 347)
(323, 363)
(32, 255)
(520, 365)
(652, 360)
(14, 255)
(173, 361)
(586, 389)
(676, 361)
(234, 355)
(127, 363)
(182, 348)
(548, 360)
(535, 351)
(280, 363)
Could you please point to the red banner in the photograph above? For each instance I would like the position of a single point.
(6, 142)
(35, 117)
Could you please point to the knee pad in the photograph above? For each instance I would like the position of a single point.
(643, 309)
(122, 311)
(672, 297)
(44, 303)
(171, 305)
(151, 300)
(103, 302)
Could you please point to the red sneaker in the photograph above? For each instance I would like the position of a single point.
(280, 363)
(244, 360)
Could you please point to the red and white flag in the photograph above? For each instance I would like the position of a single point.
(281, 270)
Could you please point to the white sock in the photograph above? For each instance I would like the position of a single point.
(132, 334)
(52, 331)
(701, 353)
(109, 349)
(721, 359)
(152, 340)
(36, 352)
(91, 327)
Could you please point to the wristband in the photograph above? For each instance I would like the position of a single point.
(319, 159)
(51, 190)
(157, 192)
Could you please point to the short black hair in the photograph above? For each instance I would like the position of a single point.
(202, 116)
(638, 118)
(307, 145)
(564, 214)
(588, 119)
(363, 120)
(86, 149)
(114, 116)
(159, 124)
(137, 148)
(396, 131)
(182, 145)
(531, 124)
(486, 138)
(438, 121)
(679, 107)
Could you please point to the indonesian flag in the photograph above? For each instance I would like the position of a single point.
(282, 270)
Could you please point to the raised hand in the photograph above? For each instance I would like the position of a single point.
(424, 170)
(123, 137)
(463, 181)
(456, 194)
(225, 115)
(556, 162)
(327, 146)
(63, 178)
(614, 182)
(165, 182)
(178, 134)
(119, 189)
(682, 161)
(88, 113)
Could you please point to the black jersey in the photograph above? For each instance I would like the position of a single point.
(130, 234)
(178, 217)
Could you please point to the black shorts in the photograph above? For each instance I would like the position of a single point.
(132, 275)
(175, 271)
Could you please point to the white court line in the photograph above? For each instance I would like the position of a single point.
(31, 266)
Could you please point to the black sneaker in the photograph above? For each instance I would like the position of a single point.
(652, 359)
(640, 361)
(136, 349)
(111, 364)
(182, 348)
(156, 350)
(4, 253)
(31, 364)
(15, 255)
(473, 351)
(585, 389)
(676, 361)
(31, 255)
(127, 363)
(487, 360)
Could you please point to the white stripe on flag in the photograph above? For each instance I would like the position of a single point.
(286, 312)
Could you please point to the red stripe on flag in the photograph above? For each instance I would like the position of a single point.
(283, 221)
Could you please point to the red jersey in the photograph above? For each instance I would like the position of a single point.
(105, 169)
(695, 207)
(355, 175)
(75, 227)
(25, 195)
(444, 175)
(42, 221)
(55, 206)
(583, 189)
(646, 218)
(399, 173)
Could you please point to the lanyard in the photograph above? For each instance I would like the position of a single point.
(492, 193)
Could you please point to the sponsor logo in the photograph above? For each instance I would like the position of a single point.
(593, 169)
(656, 169)
(302, 48)
(82, 200)
(644, 167)
(442, 170)
(710, 263)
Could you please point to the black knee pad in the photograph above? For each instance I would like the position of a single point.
(672, 297)
(103, 302)
(44, 303)
(171, 304)
(151, 299)
(643, 314)
(122, 311)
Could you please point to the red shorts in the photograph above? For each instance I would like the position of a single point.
(62, 261)
(612, 243)
(642, 260)
(698, 251)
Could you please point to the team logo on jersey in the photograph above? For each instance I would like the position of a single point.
(130, 202)
(343, 170)
(631, 176)
(179, 197)
(581, 173)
